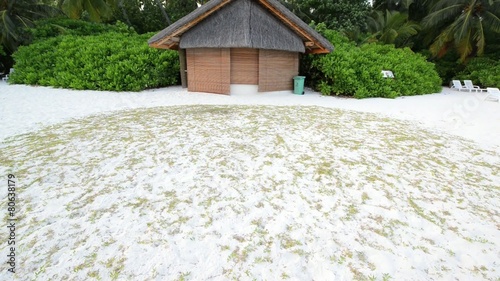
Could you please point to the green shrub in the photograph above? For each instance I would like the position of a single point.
(356, 71)
(483, 71)
(109, 61)
(447, 66)
(53, 27)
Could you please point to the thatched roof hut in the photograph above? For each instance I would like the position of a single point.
(253, 42)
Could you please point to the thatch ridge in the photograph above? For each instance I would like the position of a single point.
(291, 20)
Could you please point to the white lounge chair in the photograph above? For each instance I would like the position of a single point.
(493, 94)
(471, 87)
(458, 85)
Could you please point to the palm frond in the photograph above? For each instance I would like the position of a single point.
(463, 25)
(441, 41)
(73, 8)
(26, 22)
(437, 17)
(8, 34)
(97, 9)
(464, 47)
(373, 22)
(16, 15)
(406, 3)
(492, 21)
(480, 38)
(409, 29)
(439, 5)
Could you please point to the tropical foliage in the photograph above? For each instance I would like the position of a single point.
(482, 71)
(53, 27)
(96, 10)
(345, 15)
(356, 71)
(152, 15)
(392, 27)
(18, 14)
(108, 61)
(464, 24)
(461, 37)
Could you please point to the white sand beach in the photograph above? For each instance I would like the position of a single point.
(26, 108)
(170, 185)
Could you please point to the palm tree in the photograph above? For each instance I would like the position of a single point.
(464, 24)
(98, 10)
(15, 15)
(391, 27)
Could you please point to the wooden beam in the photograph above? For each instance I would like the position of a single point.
(157, 46)
(317, 51)
(173, 46)
(308, 44)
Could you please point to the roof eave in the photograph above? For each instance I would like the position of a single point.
(318, 51)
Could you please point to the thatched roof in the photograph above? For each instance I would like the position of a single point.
(242, 24)
(263, 24)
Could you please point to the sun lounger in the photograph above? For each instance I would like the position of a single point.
(493, 94)
(471, 87)
(457, 85)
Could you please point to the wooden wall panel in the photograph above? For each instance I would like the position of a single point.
(277, 69)
(208, 70)
(245, 66)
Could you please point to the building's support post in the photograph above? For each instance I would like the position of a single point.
(183, 68)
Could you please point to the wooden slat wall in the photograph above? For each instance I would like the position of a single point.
(208, 70)
(245, 66)
(277, 69)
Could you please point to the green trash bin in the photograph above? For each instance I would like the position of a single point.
(298, 85)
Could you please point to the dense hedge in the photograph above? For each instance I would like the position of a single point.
(53, 27)
(356, 71)
(482, 71)
(108, 61)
